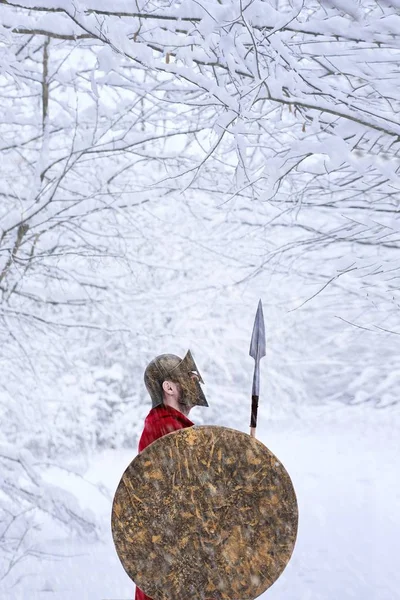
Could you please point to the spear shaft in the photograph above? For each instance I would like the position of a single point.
(257, 351)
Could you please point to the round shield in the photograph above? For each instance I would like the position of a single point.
(205, 512)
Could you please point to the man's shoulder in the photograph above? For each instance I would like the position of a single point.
(160, 421)
(158, 412)
(166, 412)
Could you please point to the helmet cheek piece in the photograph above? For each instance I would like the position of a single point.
(183, 373)
(192, 394)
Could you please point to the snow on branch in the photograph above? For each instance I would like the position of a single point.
(311, 68)
(25, 500)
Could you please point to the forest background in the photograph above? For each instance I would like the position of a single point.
(163, 166)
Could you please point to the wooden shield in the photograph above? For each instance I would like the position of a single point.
(205, 512)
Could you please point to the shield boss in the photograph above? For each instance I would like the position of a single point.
(205, 512)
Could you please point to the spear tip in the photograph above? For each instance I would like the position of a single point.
(257, 344)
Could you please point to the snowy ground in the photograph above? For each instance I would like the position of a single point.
(344, 466)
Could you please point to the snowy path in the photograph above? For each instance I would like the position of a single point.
(343, 464)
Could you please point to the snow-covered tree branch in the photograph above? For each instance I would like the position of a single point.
(164, 165)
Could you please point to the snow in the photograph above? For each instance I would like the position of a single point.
(343, 464)
(149, 210)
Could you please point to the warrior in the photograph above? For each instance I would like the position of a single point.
(203, 512)
(174, 387)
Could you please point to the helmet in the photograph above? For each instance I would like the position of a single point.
(172, 368)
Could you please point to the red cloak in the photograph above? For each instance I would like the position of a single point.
(160, 421)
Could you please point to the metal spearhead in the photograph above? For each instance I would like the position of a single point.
(257, 351)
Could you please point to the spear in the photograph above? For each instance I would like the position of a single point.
(257, 351)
